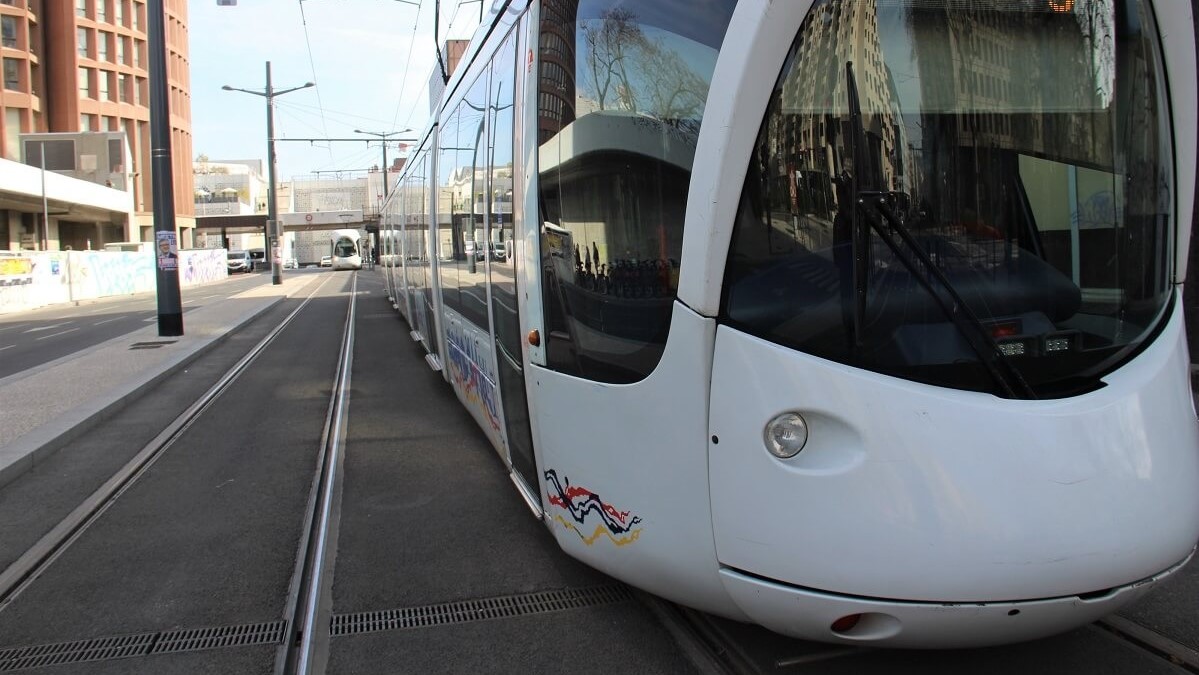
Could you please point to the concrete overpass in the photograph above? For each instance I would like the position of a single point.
(292, 222)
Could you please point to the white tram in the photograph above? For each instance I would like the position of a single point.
(857, 319)
(346, 246)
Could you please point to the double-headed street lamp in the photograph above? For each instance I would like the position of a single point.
(271, 232)
(383, 136)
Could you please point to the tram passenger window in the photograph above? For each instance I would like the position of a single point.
(503, 264)
(462, 179)
(622, 91)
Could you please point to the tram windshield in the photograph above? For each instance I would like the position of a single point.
(345, 248)
(970, 194)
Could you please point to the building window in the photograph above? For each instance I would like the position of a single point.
(8, 28)
(102, 80)
(120, 50)
(85, 122)
(102, 46)
(12, 74)
(85, 88)
(59, 155)
(80, 7)
(82, 39)
(12, 3)
(123, 88)
(101, 11)
(119, 10)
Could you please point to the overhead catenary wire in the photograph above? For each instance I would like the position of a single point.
(312, 66)
(420, 6)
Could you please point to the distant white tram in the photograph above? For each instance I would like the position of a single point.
(857, 319)
(347, 249)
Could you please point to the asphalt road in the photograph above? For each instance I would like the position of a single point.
(35, 337)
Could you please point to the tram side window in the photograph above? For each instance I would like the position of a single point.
(502, 231)
(622, 91)
(448, 210)
(460, 207)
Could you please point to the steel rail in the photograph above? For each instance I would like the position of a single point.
(308, 635)
(22, 572)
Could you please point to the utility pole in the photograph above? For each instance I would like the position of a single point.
(166, 248)
(271, 234)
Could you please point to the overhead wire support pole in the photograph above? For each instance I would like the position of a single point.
(271, 234)
(166, 249)
(383, 137)
(445, 77)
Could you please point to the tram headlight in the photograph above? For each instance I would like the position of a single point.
(786, 435)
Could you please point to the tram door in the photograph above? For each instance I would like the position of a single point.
(500, 249)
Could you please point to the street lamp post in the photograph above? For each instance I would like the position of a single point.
(383, 137)
(170, 306)
(271, 233)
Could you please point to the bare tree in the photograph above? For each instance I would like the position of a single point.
(609, 45)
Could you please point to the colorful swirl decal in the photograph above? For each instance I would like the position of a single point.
(580, 503)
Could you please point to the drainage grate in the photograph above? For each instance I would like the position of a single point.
(214, 638)
(151, 345)
(478, 610)
(167, 642)
(98, 649)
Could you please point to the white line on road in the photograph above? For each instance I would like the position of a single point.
(47, 337)
(117, 318)
(6, 347)
(50, 327)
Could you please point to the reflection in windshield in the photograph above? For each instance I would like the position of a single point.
(622, 90)
(1026, 153)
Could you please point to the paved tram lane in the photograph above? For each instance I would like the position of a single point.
(208, 536)
(429, 517)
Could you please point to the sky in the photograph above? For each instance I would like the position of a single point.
(370, 59)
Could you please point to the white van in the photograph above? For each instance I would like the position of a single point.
(239, 261)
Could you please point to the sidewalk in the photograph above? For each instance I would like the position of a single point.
(44, 408)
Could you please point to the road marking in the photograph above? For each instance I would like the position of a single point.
(50, 327)
(47, 337)
(99, 323)
(15, 325)
(6, 347)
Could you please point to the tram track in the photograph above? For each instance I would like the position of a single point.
(310, 602)
(30, 566)
(17, 576)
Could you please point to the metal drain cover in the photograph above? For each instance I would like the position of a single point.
(477, 610)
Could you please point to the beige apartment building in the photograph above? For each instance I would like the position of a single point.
(82, 65)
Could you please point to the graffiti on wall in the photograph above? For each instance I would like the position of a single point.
(34, 279)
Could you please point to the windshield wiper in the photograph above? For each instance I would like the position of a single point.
(967, 322)
(870, 194)
(859, 236)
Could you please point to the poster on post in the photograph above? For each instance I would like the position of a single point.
(166, 251)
